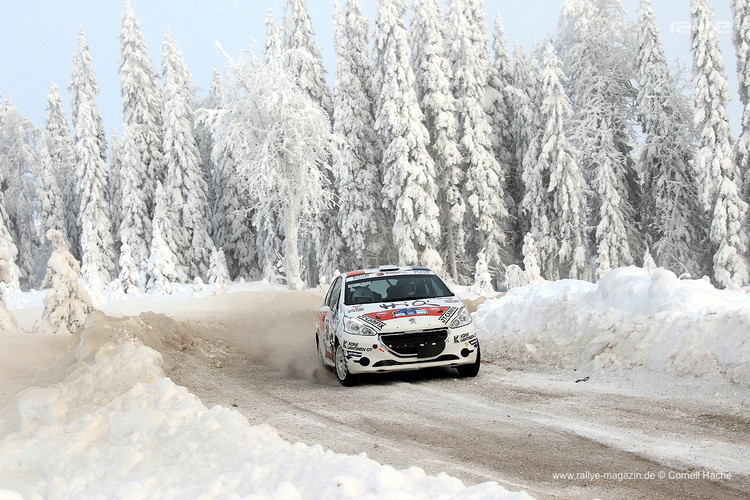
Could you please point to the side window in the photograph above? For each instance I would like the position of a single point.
(333, 299)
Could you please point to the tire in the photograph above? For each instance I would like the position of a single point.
(321, 356)
(341, 370)
(470, 370)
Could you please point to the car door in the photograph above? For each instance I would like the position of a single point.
(331, 316)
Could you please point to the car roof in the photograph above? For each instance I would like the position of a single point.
(384, 271)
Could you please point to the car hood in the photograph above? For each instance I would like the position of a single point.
(407, 315)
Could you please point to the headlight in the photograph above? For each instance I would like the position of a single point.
(356, 327)
(463, 319)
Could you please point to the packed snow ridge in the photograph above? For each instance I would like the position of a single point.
(631, 320)
(117, 427)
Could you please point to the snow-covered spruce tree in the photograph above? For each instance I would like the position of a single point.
(741, 38)
(357, 169)
(18, 159)
(564, 188)
(302, 57)
(597, 46)
(499, 109)
(115, 186)
(60, 145)
(164, 267)
(409, 177)
(482, 277)
(531, 259)
(67, 303)
(522, 100)
(272, 48)
(280, 158)
(49, 196)
(484, 187)
(433, 74)
(672, 212)
(718, 172)
(8, 324)
(142, 108)
(612, 242)
(135, 223)
(97, 255)
(217, 269)
(9, 273)
(185, 186)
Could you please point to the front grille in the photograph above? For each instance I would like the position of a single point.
(422, 343)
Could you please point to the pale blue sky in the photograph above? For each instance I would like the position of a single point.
(38, 38)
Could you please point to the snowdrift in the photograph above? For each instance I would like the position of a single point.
(117, 427)
(628, 320)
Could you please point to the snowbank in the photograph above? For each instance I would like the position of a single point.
(628, 320)
(117, 427)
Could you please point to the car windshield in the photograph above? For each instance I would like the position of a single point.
(395, 288)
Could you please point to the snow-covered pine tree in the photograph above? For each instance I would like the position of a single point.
(94, 219)
(18, 159)
(433, 74)
(142, 108)
(60, 145)
(49, 196)
(164, 267)
(648, 262)
(185, 187)
(566, 190)
(279, 158)
(409, 178)
(9, 273)
(718, 172)
(741, 38)
(357, 168)
(484, 188)
(217, 269)
(303, 58)
(272, 48)
(671, 208)
(597, 46)
(67, 303)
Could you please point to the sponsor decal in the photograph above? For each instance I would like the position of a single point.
(474, 342)
(371, 321)
(448, 315)
(409, 311)
(356, 309)
(464, 337)
(353, 354)
(452, 300)
(405, 312)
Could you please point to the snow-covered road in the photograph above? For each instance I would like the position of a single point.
(543, 433)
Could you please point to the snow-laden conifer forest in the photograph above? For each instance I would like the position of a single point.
(433, 142)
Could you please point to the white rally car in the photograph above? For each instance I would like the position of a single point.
(391, 319)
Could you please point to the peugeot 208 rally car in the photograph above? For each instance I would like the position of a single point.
(394, 318)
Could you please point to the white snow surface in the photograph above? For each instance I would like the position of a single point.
(115, 426)
(630, 321)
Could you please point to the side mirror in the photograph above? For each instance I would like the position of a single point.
(324, 310)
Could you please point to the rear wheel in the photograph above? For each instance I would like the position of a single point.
(341, 369)
(321, 351)
(470, 370)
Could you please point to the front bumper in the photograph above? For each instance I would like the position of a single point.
(410, 350)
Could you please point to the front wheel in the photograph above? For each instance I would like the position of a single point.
(342, 370)
(470, 370)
